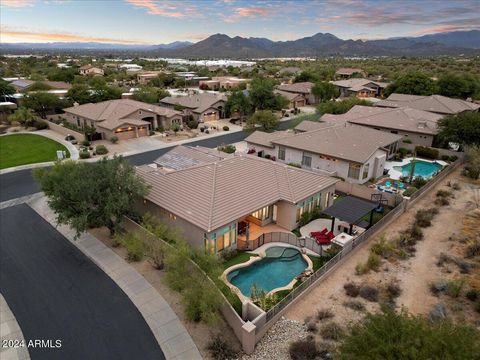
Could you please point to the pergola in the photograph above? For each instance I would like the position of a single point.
(351, 210)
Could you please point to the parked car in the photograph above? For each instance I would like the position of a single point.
(71, 139)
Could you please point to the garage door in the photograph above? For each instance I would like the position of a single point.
(211, 116)
(126, 134)
(142, 131)
(300, 103)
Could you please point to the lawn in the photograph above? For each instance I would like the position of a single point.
(239, 258)
(22, 149)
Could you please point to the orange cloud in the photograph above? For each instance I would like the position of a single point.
(250, 11)
(156, 9)
(17, 3)
(30, 36)
(195, 36)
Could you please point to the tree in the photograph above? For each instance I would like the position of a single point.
(459, 86)
(389, 335)
(261, 94)
(6, 88)
(306, 76)
(65, 75)
(91, 195)
(79, 93)
(238, 103)
(162, 80)
(472, 166)
(413, 83)
(463, 128)
(23, 116)
(42, 103)
(150, 94)
(323, 90)
(105, 92)
(38, 86)
(340, 107)
(265, 118)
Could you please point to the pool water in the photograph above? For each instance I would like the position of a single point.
(422, 168)
(280, 266)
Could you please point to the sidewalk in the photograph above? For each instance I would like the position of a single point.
(167, 328)
(10, 330)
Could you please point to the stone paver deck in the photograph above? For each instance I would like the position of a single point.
(10, 330)
(167, 328)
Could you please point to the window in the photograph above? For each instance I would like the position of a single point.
(306, 160)
(223, 238)
(281, 153)
(262, 214)
(354, 171)
(365, 171)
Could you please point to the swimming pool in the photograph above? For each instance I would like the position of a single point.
(277, 269)
(422, 168)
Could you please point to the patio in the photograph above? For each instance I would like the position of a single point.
(256, 230)
(320, 224)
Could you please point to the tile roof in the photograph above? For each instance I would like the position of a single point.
(308, 125)
(357, 83)
(112, 113)
(300, 88)
(266, 139)
(434, 103)
(289, 95)
(183, 157)
(198, 102)
(215, 194)
(405, 119)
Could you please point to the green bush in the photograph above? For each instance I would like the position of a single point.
(419, 182)
(226, 128)
(114, 139)
(192, 124)
(40, 125)
(454, 287)
(101, 150)
(426, 152)
(132, 243)
(409, 192)
(84, 154)
(85, 143)
(303, 350)
(201, 302)
(472, 294)
(220, 349)
(403, 152)
(295, 165)
(389, 335)
(445, 157)
(229, 149)
(373, 261)
(453, 158)
(407, 141)
(332, 331)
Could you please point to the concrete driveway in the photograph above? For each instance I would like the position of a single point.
(57, 293)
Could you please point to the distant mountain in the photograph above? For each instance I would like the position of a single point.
(318, 45)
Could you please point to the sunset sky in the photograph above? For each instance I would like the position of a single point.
(156, 21)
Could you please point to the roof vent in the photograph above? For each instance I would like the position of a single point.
(422, 124)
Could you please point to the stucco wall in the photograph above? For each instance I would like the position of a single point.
(286, 215)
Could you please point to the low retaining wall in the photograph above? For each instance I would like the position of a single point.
(65, 131)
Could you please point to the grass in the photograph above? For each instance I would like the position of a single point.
(241, 257)
(318, 262)
(22, 149)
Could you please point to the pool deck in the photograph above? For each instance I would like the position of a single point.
(396, 175)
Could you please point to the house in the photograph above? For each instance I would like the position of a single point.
(124, 118)
(222, 82)
(25, 84)
(354, 153)
(214, 202)
(130, 68)
(90, 70)
(143, 77)
(302, 88)
(294, 99)
(203, 107)
(434, 103)
(361, 88)
(347, 73)
(419, 126)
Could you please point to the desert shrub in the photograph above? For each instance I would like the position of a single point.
(369, 293)
(473, 249)
(324, 314)
(407, 141)
(419, 182)
(226, 128)
(456, 186)
(389, 335)
(393, 290)
(424, 217)
(84, 154)
(132, 243)
(442, 201)
(454, 287)
(311, 324)
(444, 193)
(361, 269)
(192, 124)
(201, 302)
(426, 152)
(332, 331)
(303, 350)
(382, 248)
(219, 349)
(409, 192)
(85, 143)
(403, 152)
(472, 294)
(114, 139)
(415, 232)
(438, 287)
(445, 157)
(373, 261)
(354, 305)
(40, 125)
(229, 149)
(101, 150)
(351, 289)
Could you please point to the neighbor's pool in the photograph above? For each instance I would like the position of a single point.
(422, 168)
(280, 266)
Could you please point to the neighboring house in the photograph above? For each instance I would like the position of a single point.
(434, 103)
(361, 88)
(90, 70)
(144, 77)
(123, 118)
(354, 153)
(222, 82)
(301, 88)
(213, 202)
(347, 73)
(25, 84)
(416, 125)
(203, 107)
(294, 100)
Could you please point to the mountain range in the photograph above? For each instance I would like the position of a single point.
(318, 45)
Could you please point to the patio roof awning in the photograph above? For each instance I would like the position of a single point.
(350, 209)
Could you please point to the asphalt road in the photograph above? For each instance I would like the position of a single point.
(57, 293)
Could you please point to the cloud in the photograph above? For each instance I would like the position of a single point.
(194, 36)
(33, 36)
(17, 3)
(156, 8)
(443, 28)
(251, 11)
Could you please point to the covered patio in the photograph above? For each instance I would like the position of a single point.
(351, 210)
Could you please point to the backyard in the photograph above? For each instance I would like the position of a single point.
(22, 149)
